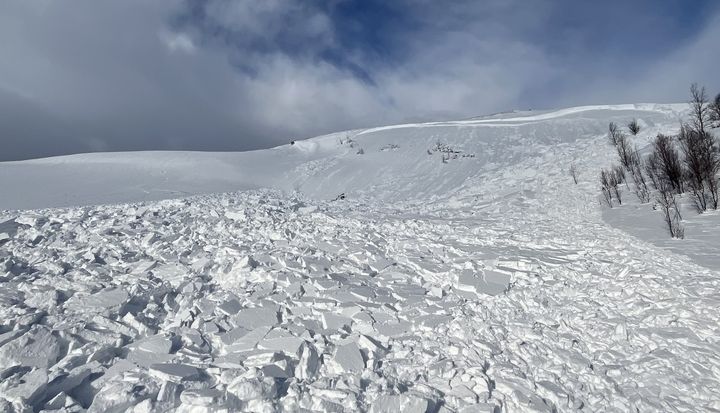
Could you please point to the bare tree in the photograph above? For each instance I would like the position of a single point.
(667, 162)
(702, 164)
(634, 127)
(624, 150)
(671, 213)
(715, 111)
(615, 181)
(619, 174)
(606, 186)
(574, 173)
(613, 132)
(640, 183)
(652, 168)
(610, 181)
(700, 109)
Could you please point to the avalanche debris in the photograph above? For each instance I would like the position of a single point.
(509, 294)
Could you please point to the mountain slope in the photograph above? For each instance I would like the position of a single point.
(489, 282)
(320, 167)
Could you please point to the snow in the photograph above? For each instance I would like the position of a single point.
(174, 372)
(488, 282)
(347, 359)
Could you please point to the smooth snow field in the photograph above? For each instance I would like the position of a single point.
(462, 271)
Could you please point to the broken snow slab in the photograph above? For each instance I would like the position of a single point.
(489, 282)
(399, 403)
(229, 307)
(251, 318)
(173, 273)
(394, 329)
(203, 397)
(36, 348)
(249, 341)
(336, 322)
(235, 215)
(31, 219)
(121, 394)
(270, 363)
(110, 300)
(289, 345)
(8, 229)
(175, 372)
(29, 388)
(247, 389)
(157, 344)
(347, 358)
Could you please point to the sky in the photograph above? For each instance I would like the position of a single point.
(220, 75)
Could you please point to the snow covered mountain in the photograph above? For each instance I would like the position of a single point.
(395, 165)
(462, 271)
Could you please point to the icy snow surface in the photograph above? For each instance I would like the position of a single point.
(488, 282)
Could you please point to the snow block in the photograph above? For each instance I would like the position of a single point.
(8, 229)
(307, 209)
(309, 362)
(288, 345)
(36, 348)
(348, 359)
(110, 300)
(157, 344)
(489, 282)
(248, 341)
(235, 215)
(30, 389)
(332, 321)
(175, 372)
(203, 397)
(253, 389)
(400, 403)
(229, 307)
(252, 318)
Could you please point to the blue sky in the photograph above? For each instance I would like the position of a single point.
(99, 75)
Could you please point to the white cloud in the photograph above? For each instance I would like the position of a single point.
(177, 42)
(252, 74)
(698, 61)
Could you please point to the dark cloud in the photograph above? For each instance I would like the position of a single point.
(239, 75)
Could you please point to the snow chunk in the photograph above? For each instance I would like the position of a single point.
(36, 348)
(157, 344)
(401, 403)
(8, 229)
(31, 387)
(251, 318)
(309, 362)
(288, 345)
(347, 359)
(480, 408)
(490, 282)
(335, 322)
(235, 215)
(229, 307)
(248, 341)
(203, 397)
(175, 372)
(122, 395)
(173, 273)
(253, 389)
(110, 299)
(33, 220)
